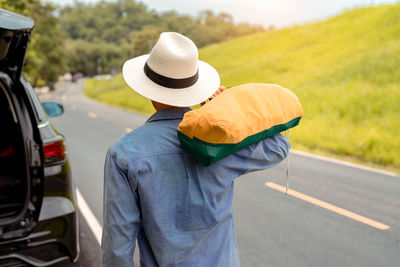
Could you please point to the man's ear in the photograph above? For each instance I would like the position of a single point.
(154, 104)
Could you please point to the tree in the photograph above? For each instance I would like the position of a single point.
(45, 55)
(133, 29)
(144, 40)
(95, 38)
(19, 6)
(93, 58)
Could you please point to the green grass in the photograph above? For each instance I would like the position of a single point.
(345, 70)
(116, 93)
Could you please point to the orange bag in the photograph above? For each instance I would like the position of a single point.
(237, 118)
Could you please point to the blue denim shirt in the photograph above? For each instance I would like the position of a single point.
(179, 211)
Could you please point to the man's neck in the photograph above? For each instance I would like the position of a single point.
(159, 106)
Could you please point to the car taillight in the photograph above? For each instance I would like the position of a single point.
(54, 152)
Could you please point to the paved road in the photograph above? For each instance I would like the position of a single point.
(308, 227)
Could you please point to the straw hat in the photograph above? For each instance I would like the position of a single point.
(172, 74)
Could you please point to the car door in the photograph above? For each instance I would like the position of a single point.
(21, 173)
(21, 155)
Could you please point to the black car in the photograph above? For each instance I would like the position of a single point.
(38, 208)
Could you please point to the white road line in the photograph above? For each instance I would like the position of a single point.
(128, 130)
(90, 219)
(342, 162)
(333, 208)
(92, 115)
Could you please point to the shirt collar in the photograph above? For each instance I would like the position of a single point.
(168, 114)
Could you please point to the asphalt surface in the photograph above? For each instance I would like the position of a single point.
(273, 229)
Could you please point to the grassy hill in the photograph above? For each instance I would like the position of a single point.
(345, 70)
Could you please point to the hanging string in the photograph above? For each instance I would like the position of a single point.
(287, 164)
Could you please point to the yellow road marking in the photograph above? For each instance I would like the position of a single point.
(63, 97)
(92, 115)
(325, 205)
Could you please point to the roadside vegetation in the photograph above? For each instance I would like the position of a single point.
(345, 70)
(115, 92)
(102, 35)
(94, 39)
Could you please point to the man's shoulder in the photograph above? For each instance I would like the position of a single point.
(146, 140)
(130, 142)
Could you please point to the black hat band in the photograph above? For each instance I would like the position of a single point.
(170, 82)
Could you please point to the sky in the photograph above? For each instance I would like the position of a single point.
(279, 13)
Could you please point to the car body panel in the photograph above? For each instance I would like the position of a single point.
(13, 21)
(46, 231)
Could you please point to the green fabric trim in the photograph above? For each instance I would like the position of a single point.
(208, 153)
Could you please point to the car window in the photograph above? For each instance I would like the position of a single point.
(38, 106)
(5, 40)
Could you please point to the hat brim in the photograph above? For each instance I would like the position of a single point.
(206, 85)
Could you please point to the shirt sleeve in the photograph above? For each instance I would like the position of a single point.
(262, 155)
(121, 218)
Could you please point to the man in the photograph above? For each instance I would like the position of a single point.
(179, 211)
